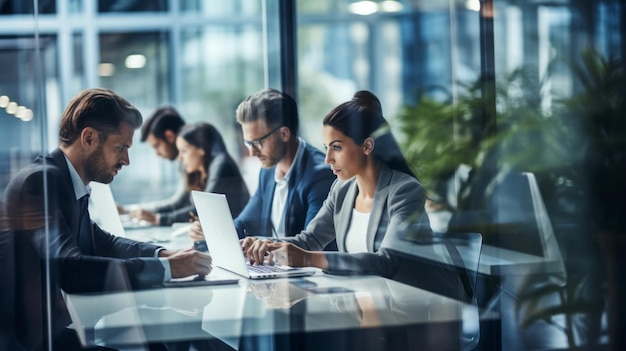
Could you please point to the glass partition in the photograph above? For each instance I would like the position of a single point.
(397, 50)
(29, 61)
(509, 112)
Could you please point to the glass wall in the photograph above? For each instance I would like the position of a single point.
(481, 95)
(395, 49)
(202, 58)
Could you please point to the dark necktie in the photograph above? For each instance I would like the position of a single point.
(85, 236)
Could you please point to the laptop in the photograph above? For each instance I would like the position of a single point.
(223, 241)
(103, 211)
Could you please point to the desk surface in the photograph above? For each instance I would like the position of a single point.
(252, 308)
(162, 235)
(494, 261)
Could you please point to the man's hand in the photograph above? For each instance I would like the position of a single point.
(144, 215)
(195, 232)
(184, 263)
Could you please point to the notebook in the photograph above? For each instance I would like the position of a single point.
(223, 242)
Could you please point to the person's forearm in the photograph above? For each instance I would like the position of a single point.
(318, 259)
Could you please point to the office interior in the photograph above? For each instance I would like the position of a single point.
(509, 111)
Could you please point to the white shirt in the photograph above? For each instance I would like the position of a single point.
(281, 191)
(356, 239)
(81, 190)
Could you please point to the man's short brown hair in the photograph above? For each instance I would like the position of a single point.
(99, 108)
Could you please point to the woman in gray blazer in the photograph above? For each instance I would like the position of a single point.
(375, 201)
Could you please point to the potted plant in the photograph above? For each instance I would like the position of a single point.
(597, 114)
(439, 137)
(576, 147)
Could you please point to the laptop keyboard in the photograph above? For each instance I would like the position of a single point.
(265, 269)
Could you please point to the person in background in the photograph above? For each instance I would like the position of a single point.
(208, 166)
(375, 199)
(293, 181)
(160, 131)
(55, 245)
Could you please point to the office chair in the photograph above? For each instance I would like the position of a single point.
(545, 299)
(464, 252)
(511, 214)
(447, 264)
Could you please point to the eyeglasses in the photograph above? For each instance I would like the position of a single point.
(258, 143)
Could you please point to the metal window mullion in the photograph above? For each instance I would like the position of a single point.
(91, 49)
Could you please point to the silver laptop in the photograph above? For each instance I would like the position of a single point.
(223, 242)
(103, 210)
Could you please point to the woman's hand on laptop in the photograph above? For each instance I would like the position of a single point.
(189, 262)
(195, 232)
(256, 249)
(287, 254)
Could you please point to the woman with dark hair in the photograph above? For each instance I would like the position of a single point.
(209, 167)
(374, 202)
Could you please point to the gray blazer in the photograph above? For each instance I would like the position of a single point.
(397, 210)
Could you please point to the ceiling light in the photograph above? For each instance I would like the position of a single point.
(12, 108)
(106, 69)
(20, 111)
(363, 8)
(27, 115)
(472, 5)
(4, 101)
(135, 61)
(391, 6)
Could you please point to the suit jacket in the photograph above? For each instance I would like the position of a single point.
(224, 178)
(308, 187)
(43, 221)
(397, 210)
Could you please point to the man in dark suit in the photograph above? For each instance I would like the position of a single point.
(294, 180)
(56, 246)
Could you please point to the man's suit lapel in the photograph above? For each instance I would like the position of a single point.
(82, 232)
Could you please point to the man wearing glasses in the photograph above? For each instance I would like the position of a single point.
(294, 180)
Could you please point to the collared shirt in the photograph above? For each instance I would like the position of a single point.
(282, 191)
(81, 190)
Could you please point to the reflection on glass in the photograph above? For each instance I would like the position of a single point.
(395, 56)
(25, 7)
(218, 8)
(211, 57)
(132, 6)
(221, 65)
